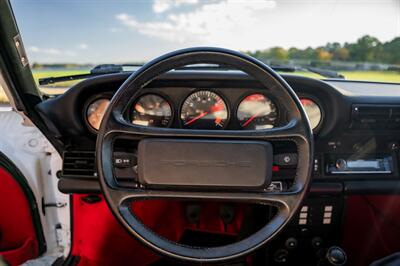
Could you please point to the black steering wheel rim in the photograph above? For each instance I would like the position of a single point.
(114, 125)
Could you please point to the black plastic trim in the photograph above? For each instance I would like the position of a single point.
(78, 186)
(372, 187)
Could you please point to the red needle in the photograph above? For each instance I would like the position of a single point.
(213, 109)
(250, 119)
(216, 108)
(196, 118)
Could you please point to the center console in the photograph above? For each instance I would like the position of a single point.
(351, 164)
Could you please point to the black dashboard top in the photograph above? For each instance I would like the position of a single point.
(65, 111)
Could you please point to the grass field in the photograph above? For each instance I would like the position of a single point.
(38, 74)
(384, 76)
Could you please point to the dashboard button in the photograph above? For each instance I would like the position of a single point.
(291, 243)
(285, 159)
(124, 160)
(341, 164)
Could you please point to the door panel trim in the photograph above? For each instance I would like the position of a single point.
(10, 167)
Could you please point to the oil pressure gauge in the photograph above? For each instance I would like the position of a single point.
(152, 110)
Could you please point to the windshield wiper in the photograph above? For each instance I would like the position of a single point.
(96, 71)
(323, 72)
(115, 68)
(279, 68)
(227, 67)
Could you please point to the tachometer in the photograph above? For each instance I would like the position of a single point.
(204, 110)
(151, 110)
(256, 111)
(95, 112)
(313, 112)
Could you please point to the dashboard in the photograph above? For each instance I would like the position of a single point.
(356, 125)
(356, 128)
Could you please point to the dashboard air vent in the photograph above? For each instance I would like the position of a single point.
(79, 164)
(375, 117)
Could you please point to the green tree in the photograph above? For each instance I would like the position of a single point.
(278, 53)
(341, 54)
(365, 49)
(392, 51)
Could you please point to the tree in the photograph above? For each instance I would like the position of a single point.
(278, 53)
(365, 49)
(392, 51)
(341, 54)
(323, 55)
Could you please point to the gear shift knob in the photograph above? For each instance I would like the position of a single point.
(336, 256)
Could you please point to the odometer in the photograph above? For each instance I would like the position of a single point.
(204, 110)
(152, 110)
(256, 111)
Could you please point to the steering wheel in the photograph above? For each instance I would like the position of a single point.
(156, 143)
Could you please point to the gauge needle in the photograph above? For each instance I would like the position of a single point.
(196, 118)
(250, 119)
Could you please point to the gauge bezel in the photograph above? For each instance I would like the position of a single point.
(320, 106)
(90, 101)
(162, 96)
(272, 99)
(213, 90)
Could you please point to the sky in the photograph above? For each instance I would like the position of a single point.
(123, 31)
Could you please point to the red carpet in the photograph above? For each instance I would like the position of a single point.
(100, 240)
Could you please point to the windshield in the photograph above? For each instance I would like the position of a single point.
(360, 40)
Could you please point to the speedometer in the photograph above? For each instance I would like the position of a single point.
(256, 111)
(204, 110)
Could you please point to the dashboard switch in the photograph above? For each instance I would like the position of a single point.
(285, 159)
(124, 160)
(291, 243)
(316, 242)
(281, 256)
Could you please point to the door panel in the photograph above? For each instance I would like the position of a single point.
(21, 237)
(32, 163)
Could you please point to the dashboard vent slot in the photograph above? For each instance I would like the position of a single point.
(375, 117)
(79, 164)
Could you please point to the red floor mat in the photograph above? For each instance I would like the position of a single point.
(98, 239)
(18, 241)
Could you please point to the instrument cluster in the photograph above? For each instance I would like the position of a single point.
(203, 109)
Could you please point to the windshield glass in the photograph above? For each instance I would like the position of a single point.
(359, 40)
